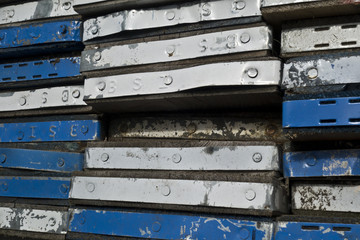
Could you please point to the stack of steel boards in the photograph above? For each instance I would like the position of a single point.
(42, 127)
(186, 155)
(320, 117)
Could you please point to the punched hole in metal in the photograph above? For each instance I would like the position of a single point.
(21, 77)
(348, 43)
(327, 102)
(23, 64)
(8, 66)
(310, 228)
(6, 79)
(37, 76)
(348, 26)
(357, 100)
(52, 74)
(38, 63)
(321, 45)
(342, 229)
(354, 120)
(325, 121)
(319, 29)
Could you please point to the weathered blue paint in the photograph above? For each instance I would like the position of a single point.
(75, 130)
(344, 111)
(40, 33)
(316, 231)
(39, 70)
(41, 160)
(166, 226)
(322, 163)
(31, 187)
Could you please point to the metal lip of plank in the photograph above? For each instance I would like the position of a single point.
(235, 158)
(326, 197)
(313, 230)
(35, 187)
(40, 160)
(34, 220)
(240, 195)
(167, 226)
(42, 98)
(274, 3)
(321, 71)
(320, 38)
(204, 45)
(52, 131)
(40, 70)
(323, 112)
(169, 16)
(40, 33)
(36, 10)
(330, 163)
(248, 73)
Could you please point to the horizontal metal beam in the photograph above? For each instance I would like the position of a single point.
(325, 197)
(240, 158)
(321, 112)
(313, 230)
(219, 74)
(330, 163)
(42, 98)
(167, 226)
(169, 16)
(40, 160)
(36, 10)
(210, 44)
(321, 71)
(74, 130)
(40, 70)
(239, 195)
(35, 187)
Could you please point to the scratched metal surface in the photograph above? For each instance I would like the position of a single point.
(168, 226)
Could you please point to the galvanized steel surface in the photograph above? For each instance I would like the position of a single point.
(35, 10)
(212, 75)
(210, 44)
(169, 16)
(271, 3)
(249, 158)
(258, 196)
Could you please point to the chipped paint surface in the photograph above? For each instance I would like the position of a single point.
(168, 226)
(33, 220)
(260, 196)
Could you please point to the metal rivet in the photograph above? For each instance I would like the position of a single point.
(82, 219)
(10, 13)
(63, 29)
(105, 157)
(94, 30)
(176, 158)
(22, 101)
(97, 56)
(311, 161)
(250, 195)
(90, 187)
(20, 135)
(2, 158)
(244, 233)
(76, 93)
(156, 227)
(170, 15)
(257, 157)
(252, 72)
(239, 5)
(312, 73)
(165, 190)
(64, 188)
(168, 80)
(170, 50)
(52, 222)
(101, 86)
(61, 162)
(4, 186)
(245, 38)
(84, 129)
(191, 128)
(67, 5)
(206, 11)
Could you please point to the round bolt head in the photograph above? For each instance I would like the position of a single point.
(20, 135)
(64, 188)
(239, 5)
(84, 129)
(176, 158)
(250, 195)
(252, 72)
(76, 93)
(22, 101)
(168, 80)
(170, 50)
(311, 161)
(61, 162)
(156, 227)
(245, 38)
(101, 86)
(90, 187)
(2, 158)
(244, 234)
(67, 5)
(312, 73)
(170, 15)
(52, 222)
(10, 13)
(82, 219)
(105, 157)
(191, 128)
(165, 190)
(94, 30)
(97, 56)
(257, 157)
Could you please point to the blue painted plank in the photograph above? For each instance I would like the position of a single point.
(40, 160)
(317, 231)
(40, 33)
(23, 187)
(166, 226)
(39, 70)
(322, 163)
(75, 130)
(343, 111)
